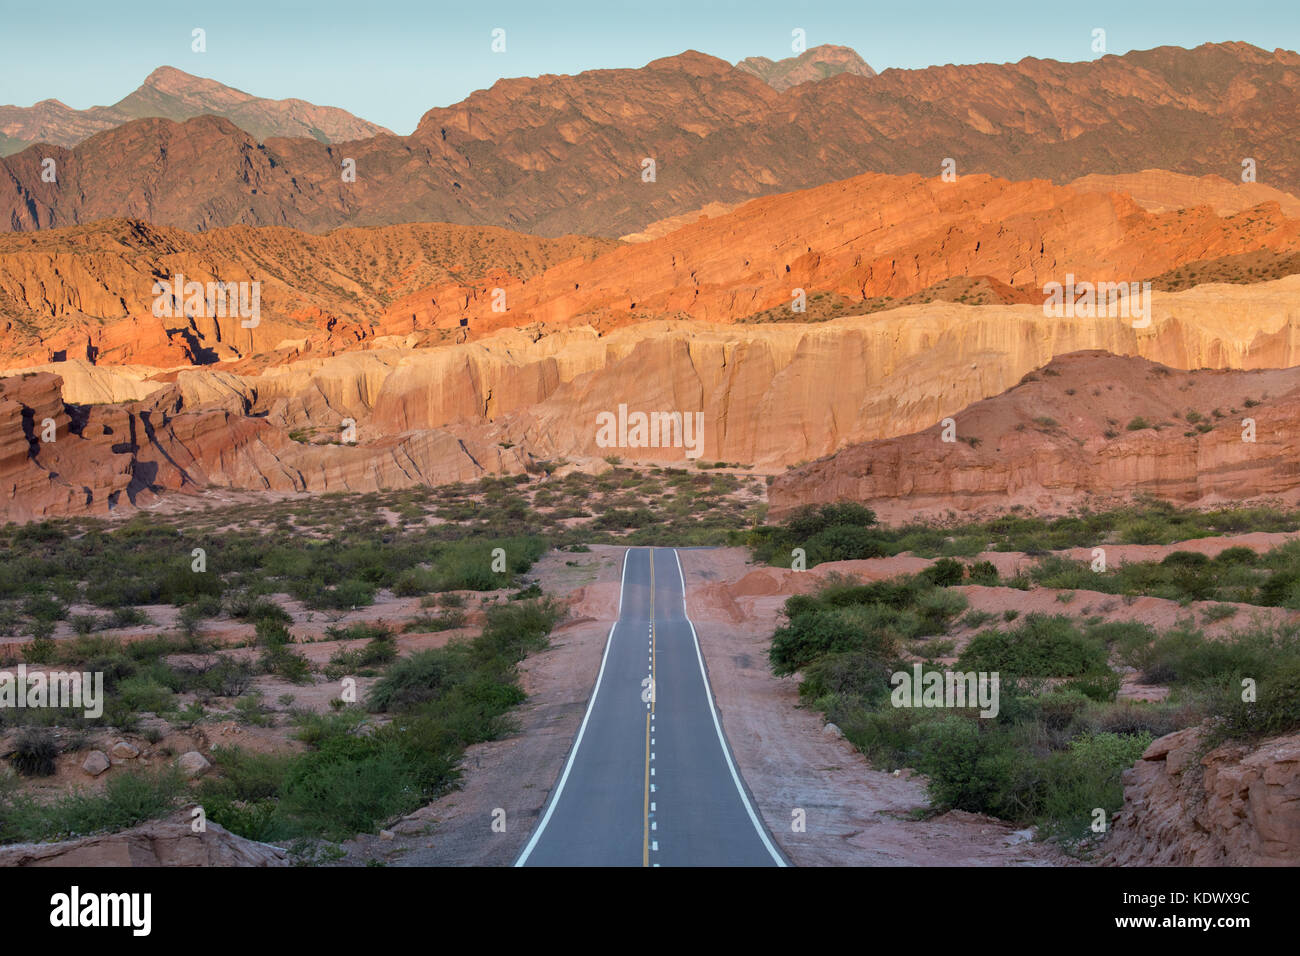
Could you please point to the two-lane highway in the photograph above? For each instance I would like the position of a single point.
(650, 780)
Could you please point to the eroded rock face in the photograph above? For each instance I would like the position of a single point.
(1088, 427)
(1187, 805)
(169, 842)
(771, 395)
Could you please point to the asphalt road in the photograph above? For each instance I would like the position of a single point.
(650, 780)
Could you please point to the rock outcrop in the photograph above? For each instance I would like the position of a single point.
(1087, 428)
(170, 842)
(1188, 805)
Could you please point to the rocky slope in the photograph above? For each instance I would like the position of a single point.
(559, 154)
(176, 95)
(815, 63)
(860, 244)
(1088, 428)
(88, 292)
(1160, 190)
(1188, 804)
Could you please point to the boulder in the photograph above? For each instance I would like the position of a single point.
(193, 764)
(96, 762)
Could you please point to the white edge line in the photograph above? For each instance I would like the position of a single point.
(577, 742)
(717, 725)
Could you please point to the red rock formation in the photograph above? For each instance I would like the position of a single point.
(1159, 190)
(771, 395)
(86, 292)
(1089, 428)
(1186, 805)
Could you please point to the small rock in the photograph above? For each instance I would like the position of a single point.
(193, 764)
(124, 750)
(832, 730)
(95, 763)
(1020, 836)
(386, 834)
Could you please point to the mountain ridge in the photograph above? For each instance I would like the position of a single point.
(568, 154)
(171, 93)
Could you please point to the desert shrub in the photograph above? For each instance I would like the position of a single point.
(144, 694)
(285, 662)
(35, 752)
(127, 799)
(247, 607)
(1275, 710)
(427, 623)
(873, 629)
(973, 767)
(1101, 684)
(856, 675)
(1085, 777)
(983, 572)
(1042, 646)
(946, 572)
(843, 543)
(381, 649)
(354, 784)
(1236, 555)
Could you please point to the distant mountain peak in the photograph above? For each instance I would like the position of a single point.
(815, 63)
(171, 93)
(693, 62)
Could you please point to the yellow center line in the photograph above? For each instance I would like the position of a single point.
(645, 846)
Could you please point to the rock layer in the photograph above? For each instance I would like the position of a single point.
(772, 396)
(1089, 428)
(1186, 804)
(88, 292)
(158, 843)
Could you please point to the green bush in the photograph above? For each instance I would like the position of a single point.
(127, 799)
(1042, 646)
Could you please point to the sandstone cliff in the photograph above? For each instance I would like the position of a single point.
(772, 396)
(1089, 428)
